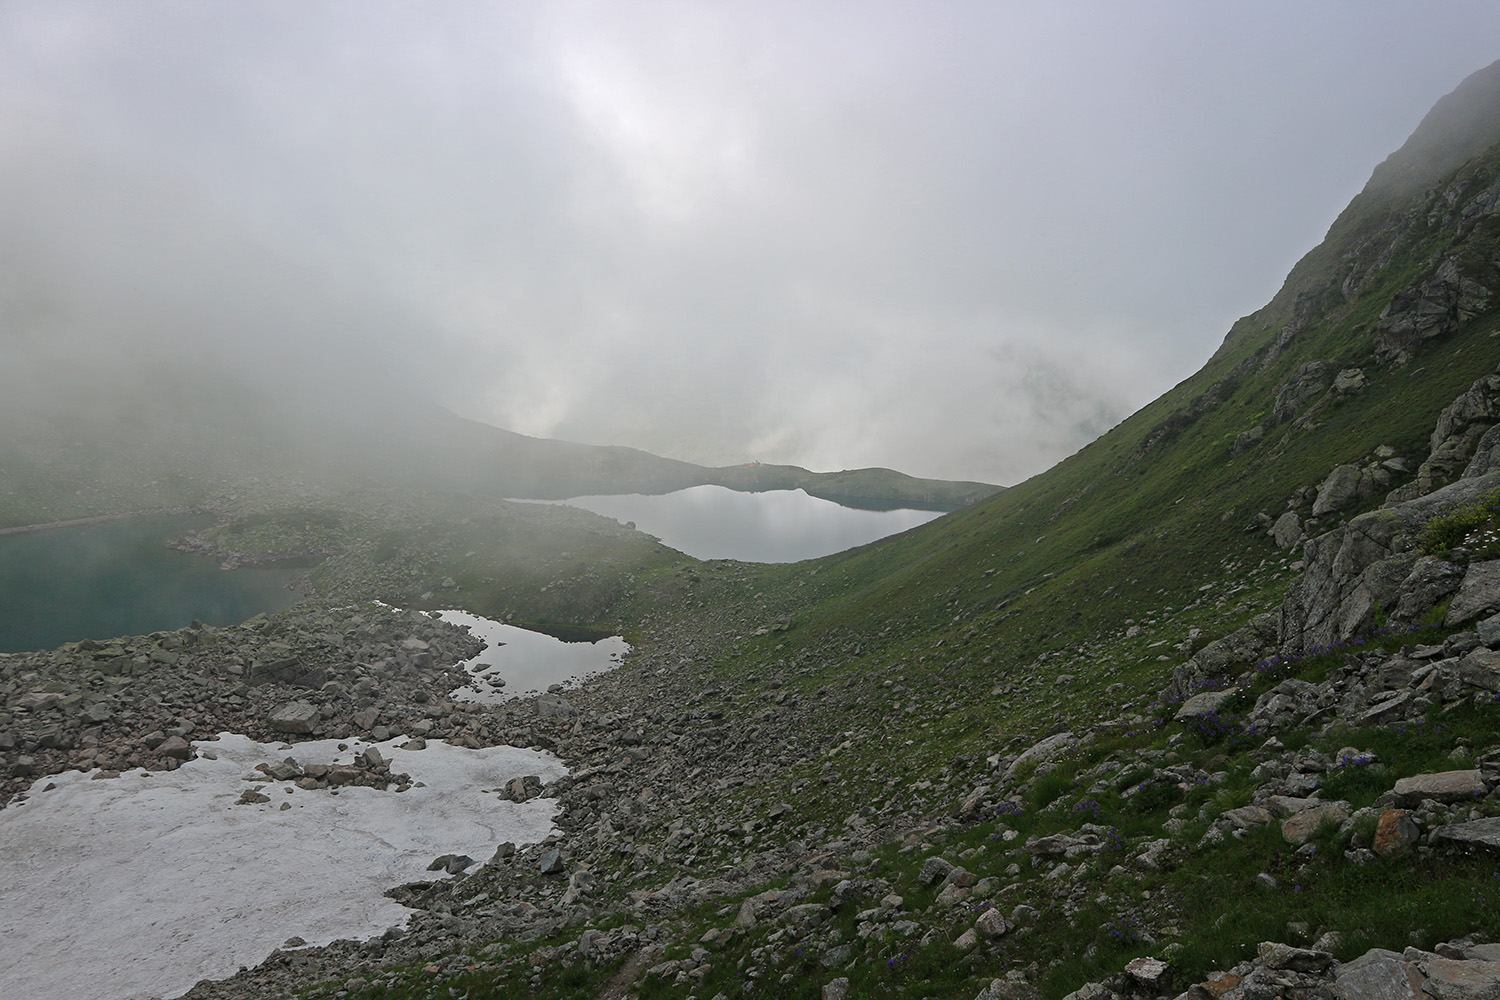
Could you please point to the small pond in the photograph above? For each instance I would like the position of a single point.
(774, 526)
(518, 661)
(99, 581)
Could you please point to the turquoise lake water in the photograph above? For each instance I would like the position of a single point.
(99, 581)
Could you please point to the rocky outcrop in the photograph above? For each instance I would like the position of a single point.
(1349, 483)
(1370, 564)
(1226, 656)
(1299, 391)
(1461, 442)
(1427, 310)
(1456, 970)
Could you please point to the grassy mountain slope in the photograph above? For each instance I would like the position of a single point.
(845, 711)
(814, 733)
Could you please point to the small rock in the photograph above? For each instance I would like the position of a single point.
(992, 925)
(934, 870)
(1302, 827)
(175, 747)
(1396, 835)
(1151, 973)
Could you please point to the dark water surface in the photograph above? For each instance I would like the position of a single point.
(104, 580)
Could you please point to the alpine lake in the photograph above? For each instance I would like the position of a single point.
(117, 578)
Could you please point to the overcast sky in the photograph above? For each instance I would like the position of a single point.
(957, 239)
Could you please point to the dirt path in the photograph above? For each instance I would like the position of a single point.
(618, 987)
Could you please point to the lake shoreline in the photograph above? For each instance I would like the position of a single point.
(81, 522)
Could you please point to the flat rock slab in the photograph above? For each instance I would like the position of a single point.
(1455, 979)
(1246, 816)
(1382, 979)
(1043, 751)
(1478, 595)
(1274, 955)
(1478, 832)
(1204, 703)
(1481, 668)
(297, 717)
(1444, 786)
(1396, 703)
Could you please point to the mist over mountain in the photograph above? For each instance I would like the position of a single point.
(1206, 708)
(158, 356)
(959, 243)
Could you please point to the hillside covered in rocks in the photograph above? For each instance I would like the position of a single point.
(1209, 710)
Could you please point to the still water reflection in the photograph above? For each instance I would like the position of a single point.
(712, 522)
(516, 661)
(103, 580)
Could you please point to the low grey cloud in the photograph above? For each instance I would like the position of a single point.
(957, 239)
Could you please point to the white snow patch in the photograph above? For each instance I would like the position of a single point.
(140, 886)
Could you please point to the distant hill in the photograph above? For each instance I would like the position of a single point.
(197, 439)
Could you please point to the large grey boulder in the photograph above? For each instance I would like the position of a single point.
(551, 706)
(1301, 827)
(1456, 439)
(1043, 752)
(1481, 669)
(1444, 786)
(1286, 704)
(1350, 381)
(934, 870)
(1486, 454)
(1205, 703)
(1427, 310)
(1274, 955)
(1228, 655)
(1478, 595)
(1298, 392)
(1378, 975)
(1338, 490)
(280, 665)
(1431, 581)
(1475, 832)
(1287, 531)
(1456, 979)
(294, 717)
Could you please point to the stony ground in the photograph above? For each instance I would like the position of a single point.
(691, 836)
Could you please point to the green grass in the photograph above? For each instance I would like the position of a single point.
(1443, 534)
